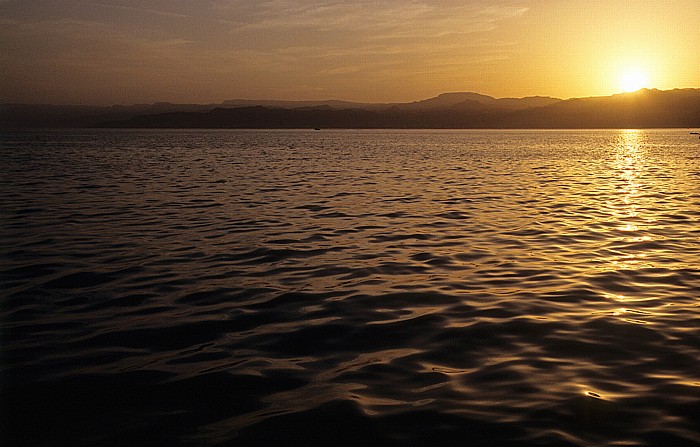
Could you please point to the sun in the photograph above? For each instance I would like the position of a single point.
(633, 80)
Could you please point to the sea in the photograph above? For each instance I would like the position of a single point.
(350, 288)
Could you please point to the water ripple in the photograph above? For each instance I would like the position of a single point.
(350, 288)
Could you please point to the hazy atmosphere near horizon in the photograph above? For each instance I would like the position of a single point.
(127, 51)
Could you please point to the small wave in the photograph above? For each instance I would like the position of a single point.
(433, 288)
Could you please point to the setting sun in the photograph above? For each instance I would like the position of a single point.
(633, 80)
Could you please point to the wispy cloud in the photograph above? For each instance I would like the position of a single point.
(399, 18)
(246, 41)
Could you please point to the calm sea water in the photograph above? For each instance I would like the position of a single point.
(398, 288)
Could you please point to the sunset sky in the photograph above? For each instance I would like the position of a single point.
(207, 51)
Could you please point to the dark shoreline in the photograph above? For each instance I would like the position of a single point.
(644, 109)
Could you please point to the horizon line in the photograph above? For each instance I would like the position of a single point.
(223, 102)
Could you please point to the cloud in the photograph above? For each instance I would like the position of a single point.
(264, 25)
(234, 42)
(366, 32)
(398, 18)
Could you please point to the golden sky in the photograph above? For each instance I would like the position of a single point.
(207, 51)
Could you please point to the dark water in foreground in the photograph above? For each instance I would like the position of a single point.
(448, 288)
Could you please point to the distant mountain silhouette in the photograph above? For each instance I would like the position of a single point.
(335, 104)
(443, 101)
(66, 116)
(641, 109)
(478, 101)
(259, 117)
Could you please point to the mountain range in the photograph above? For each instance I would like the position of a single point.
(641, 109)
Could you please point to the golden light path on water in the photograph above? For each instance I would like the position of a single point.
(623, 204)
(412, 287)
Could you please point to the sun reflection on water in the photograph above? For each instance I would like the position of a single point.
(631, 211)
(628, 163)
(543, 281)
